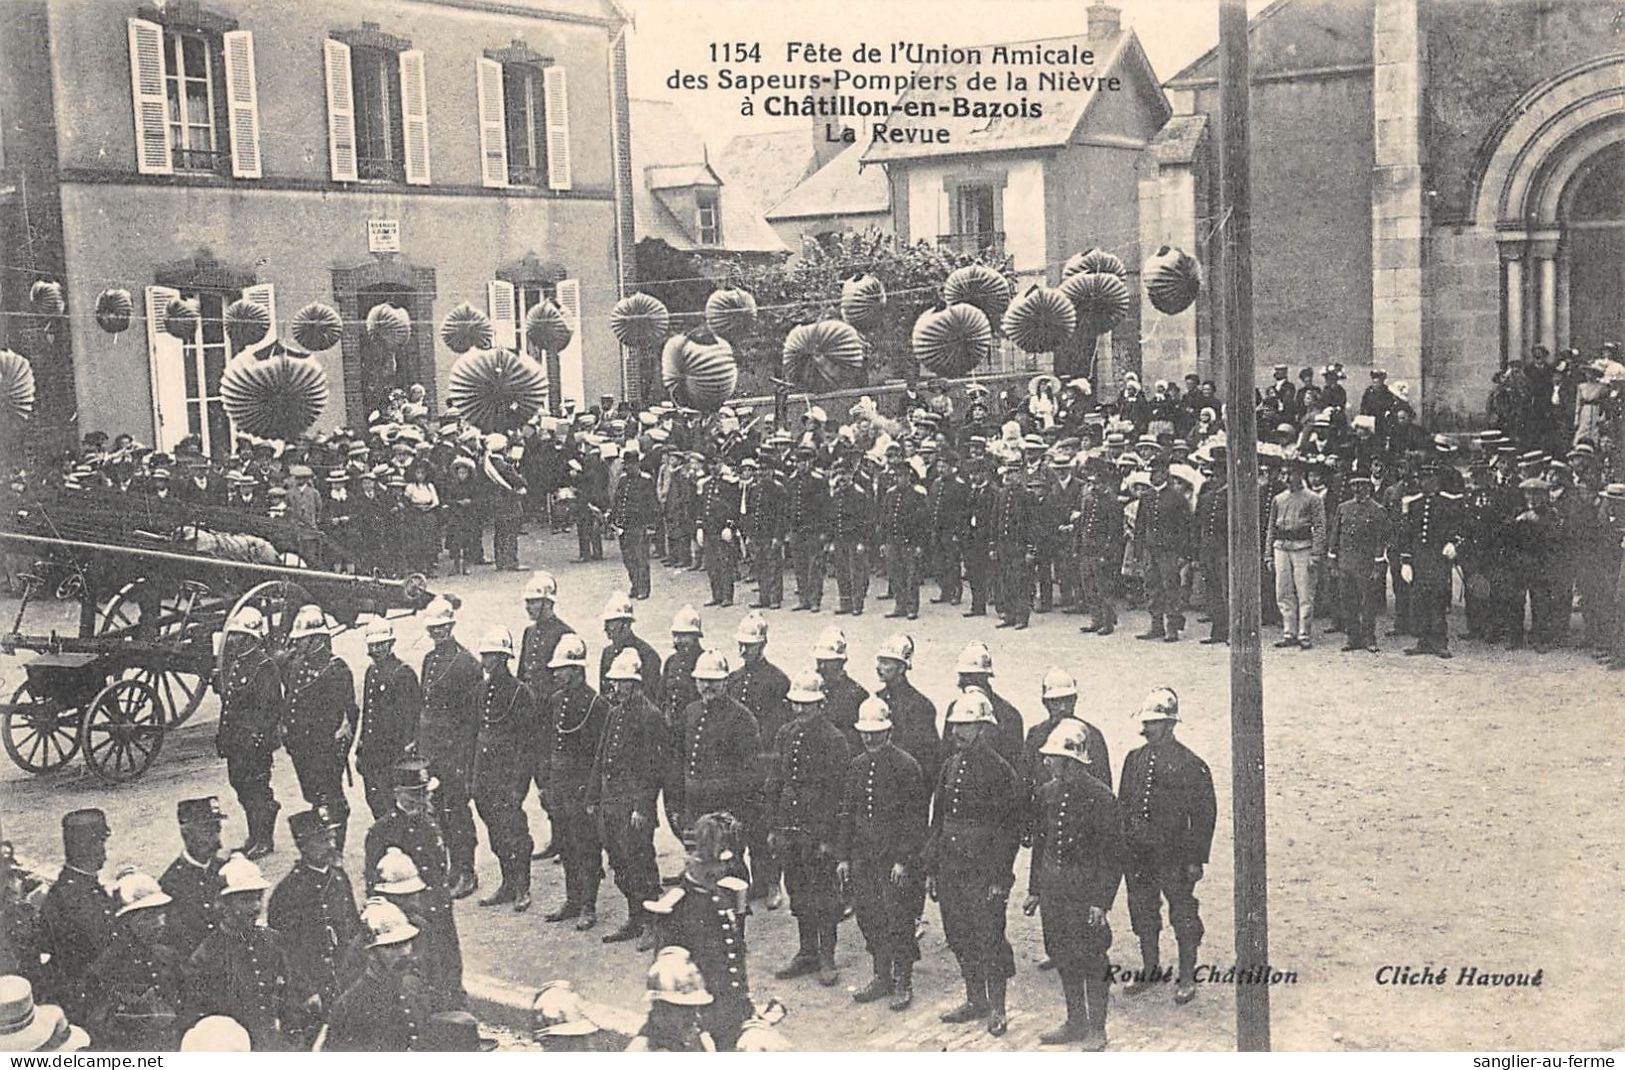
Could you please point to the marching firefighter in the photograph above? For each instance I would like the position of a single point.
(135, 994)
(718, 746)
(439, 950)
(392, 703)
(842, 694)
(314, 907)
(412, 827)
(761, 687)
(536, 647)
(912, 714)
(678, 690)
(388, 1006)
(322, 716)
(618, 618)
(975, 670)
(252, 706)
(447, 732)
(504, 762)
(577, 713)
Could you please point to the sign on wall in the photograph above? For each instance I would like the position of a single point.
(383, 235)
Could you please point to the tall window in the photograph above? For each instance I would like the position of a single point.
(190, 66)
(205, 364)
(710, 219)
(527, 127)
(378, 128)
(977, 230)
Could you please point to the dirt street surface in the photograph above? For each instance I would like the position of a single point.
(1421, 813)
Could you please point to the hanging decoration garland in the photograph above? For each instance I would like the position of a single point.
(465, 327)
(979, 285)
(1101, 301)
(247, 324)
(827, 355)
(316, 327)
(731, 314)
(639, 320)
(1173, 278)
(389, 326)
(496, 389)
(546, 329)
(274, 392)
(863, 301)
(16, 385)
(47, 298)
(1040, 320)
(951, 340)
(114, 310)
(181, 318)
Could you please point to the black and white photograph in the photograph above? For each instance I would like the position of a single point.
(994, 526)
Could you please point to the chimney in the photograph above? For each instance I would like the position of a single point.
(1104, 20)
(826, 128)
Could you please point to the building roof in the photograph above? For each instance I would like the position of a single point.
(844, 186)
(666, 148)
(1319, 34)
(1062, 110)
(1179, 138)
(766, 166)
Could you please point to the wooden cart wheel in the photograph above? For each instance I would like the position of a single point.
(125, 615)
(123, 729)
(39, 735)
(278, 602)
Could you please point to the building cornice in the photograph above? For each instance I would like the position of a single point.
(84, 176)
(1303, 74)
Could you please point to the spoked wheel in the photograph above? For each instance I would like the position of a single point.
(137, 612)
(278, 602)
(124, 729)
(39, 735)
(71, 587)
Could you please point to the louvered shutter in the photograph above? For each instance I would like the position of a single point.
(503, 309)
(572, 367)
(263, 295)
(340, 111)
(556, 104)
(493, 122)
(167, 373)
(242, 104)
(152, 155)
(415, 118)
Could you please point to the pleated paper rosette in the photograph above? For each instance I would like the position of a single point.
(639, 321)
(700, 373)
(1173, 278)
(464, 328)
(274, 392)
(47, 297)
(545, 328)
(247, 324)
(979, 285)
(114, 310)
(1094, 260)
(952, 340)
(389, 326)
(1040, 320)
(16, 386)
(1101, 300)
(181, 318)
(496, 389)
(316, 327)
(863, 301)
(731, 314)
(827, 355)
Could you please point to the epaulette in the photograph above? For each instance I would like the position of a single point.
(919, 489)
(732, 884)
(1452, 497)
(1406, 501)
(666, 903)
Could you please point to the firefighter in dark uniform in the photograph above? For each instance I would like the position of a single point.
(1166, 795)
(388, 1007)
(904, 533)
(850, 522)
(135, 985)
(391, 706)
(677, 692)
(578, 714)
(617, 618)
(314, 906)
(760, 686)
(948, 507)
(1077, 865)
(718, 746)
(702, 915)
(504, 762)
(446, 735)
(439, 949)
(842, 694)
(536, 647)
(1015, 537)
(1163, 527)
(1213, 545)
(1057, 561)
(969, 858)
(193, 881)
(884, 815)
(981, 521)
(242, 971)
(634, 513)
(252, 706)
(322, 716)
(809, 523)
(975, 669)
(411, 826)
(803, 795)
(1429, 533)
(913, 716)
(1359, 550)
(76, 918)
(623, 786)
(720, 502)
(763, 522)
(1060, 695)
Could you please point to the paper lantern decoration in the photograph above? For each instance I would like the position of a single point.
(545, 328)
(247, 324)
(952, 340)
(464, 328)
(639, 321)
(389, 326)
(979, 285)
(863, 300)
(181, 318)
(1173, 278)
(47, 298)
(731, 314)
(114, 310)
(700, 374)
(823, 356)
(316, 327)
(1040, 320)
(16, 385)
(1099, 260)
(273, 393)
(495, 389)
(1101, 301)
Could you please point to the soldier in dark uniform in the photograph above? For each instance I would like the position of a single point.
(447, 732)
(592, 499)
(1060, 696)
(850, 521)
(242, 972)
(410, 826)
(322, 717)
(807, 526)
(948, 513)
(803, 797)
(1213, 544)
(193, 881)
(903, 532)
(842, 694)
(975, 669)
(981, 520)
(764, 526)
(884, 814)
(439, 949)
(1077, 865)
(618, 619)
(1059, 502)
(701, 914)
(1359, 548)
(717, 747)
(623, 785)
(760, 687)
(1098, 529)
(76, 917)
(1163, 527)
(392, 705)
(912, 715)
(313, 908)
(1531, 545)
(252, 706)
(1015, 537)
(504, 763)
(388, 1007)
(135, 985)
(677, 692)
(1428, 537)
(720, 502)
(1166, 795)
(536, 647)
(969, 858)
(578, 714)
(634, 513)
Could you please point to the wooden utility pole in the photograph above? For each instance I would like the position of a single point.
(1235, 291)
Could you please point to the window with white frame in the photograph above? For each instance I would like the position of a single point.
(710, 218)
(377, 107)
(523, 104)
(195, 102)
(379, 135)
(190, 66)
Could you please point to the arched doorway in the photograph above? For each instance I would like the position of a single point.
(384, 368)
(1592, 213)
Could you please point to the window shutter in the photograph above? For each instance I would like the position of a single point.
(263, 295)
(340, 111)
(556, 103)
(572, 368)
(242, 104)
(493, 123)
(167, 370)
(504, 312)
(415, 118)
(152, 155)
